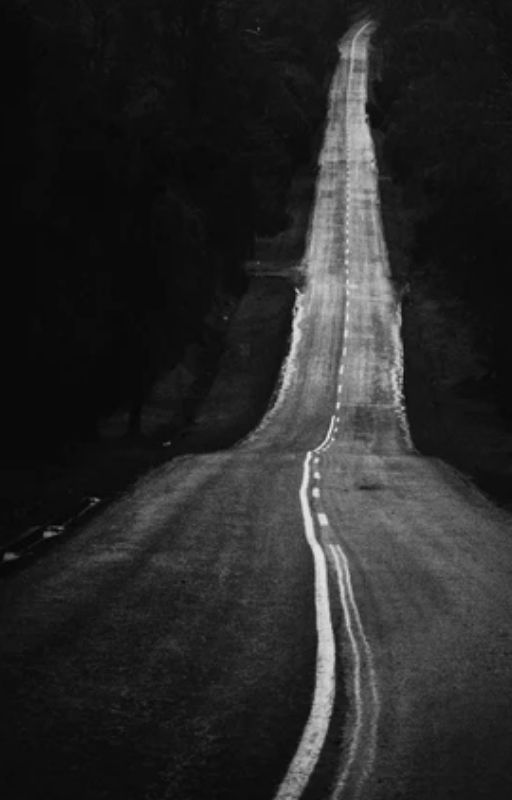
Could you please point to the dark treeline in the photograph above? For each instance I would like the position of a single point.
(443, 102)
(145, 144)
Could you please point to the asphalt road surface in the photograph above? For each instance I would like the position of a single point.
(320, 612)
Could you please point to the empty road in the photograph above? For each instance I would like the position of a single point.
(320, 612)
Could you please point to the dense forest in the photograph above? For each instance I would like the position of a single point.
(442, 105)
(146, 144)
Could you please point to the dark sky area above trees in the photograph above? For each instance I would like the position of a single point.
(146, 143)
(444, 108)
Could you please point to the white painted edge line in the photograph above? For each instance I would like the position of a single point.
(314, 733)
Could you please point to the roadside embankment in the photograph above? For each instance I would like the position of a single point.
(257, 340)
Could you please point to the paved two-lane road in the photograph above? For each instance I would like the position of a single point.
(320, 612)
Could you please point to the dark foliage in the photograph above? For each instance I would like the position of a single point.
(444, 105)
(146, 143)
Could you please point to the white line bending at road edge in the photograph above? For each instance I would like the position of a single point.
(315, 732)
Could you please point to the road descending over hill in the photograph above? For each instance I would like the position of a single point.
(320, 612)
